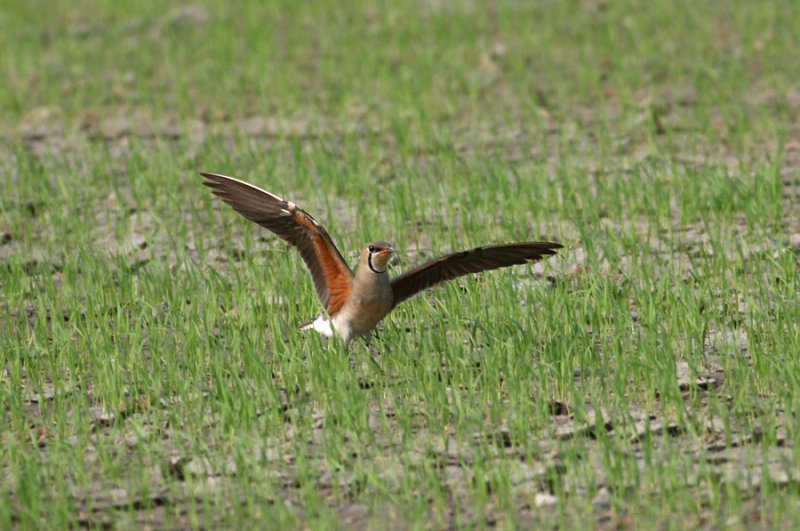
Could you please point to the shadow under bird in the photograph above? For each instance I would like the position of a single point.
(355, 302)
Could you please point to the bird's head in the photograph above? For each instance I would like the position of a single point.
(376, 255)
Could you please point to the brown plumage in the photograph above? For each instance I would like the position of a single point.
(462, 263)
(329, 271)
(356, 302)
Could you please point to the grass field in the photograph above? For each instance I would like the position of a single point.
(647, 376)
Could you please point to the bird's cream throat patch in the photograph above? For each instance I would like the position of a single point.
(369, 262)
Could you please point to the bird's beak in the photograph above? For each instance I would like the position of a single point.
(386, 251)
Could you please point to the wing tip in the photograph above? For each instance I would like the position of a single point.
(550, 248)
(213, 179)
(546, 245)
(221, 182)
(536, 249)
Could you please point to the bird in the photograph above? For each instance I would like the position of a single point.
(354, 302)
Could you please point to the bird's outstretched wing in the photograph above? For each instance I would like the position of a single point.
(328, 269)
(465, 262)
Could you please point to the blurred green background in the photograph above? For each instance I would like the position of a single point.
(646, 377)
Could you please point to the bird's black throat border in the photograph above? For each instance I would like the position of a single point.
(369, 262)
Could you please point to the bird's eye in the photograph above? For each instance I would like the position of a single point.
(371, 248)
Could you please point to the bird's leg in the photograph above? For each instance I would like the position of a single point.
(378, 365)
(368, 340)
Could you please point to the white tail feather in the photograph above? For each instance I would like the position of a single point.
(321, 324)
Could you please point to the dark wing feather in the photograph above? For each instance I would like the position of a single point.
(466, 262)
(328, 269)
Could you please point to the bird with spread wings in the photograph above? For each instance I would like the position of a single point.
(355, 301)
